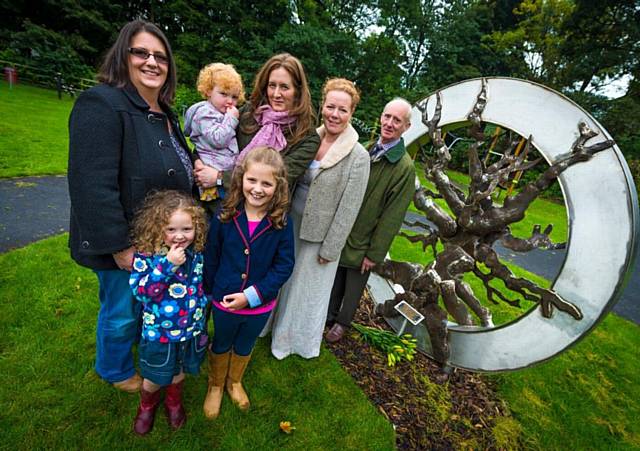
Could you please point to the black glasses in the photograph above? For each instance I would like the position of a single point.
(144, 54)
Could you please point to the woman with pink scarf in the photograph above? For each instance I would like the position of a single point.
(279, 115)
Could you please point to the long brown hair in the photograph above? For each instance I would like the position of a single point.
(154, 215)
(115, 68)
(302, 110)
(278, 206)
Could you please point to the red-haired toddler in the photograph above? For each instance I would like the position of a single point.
(211, 124)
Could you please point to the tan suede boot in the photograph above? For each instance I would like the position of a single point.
(218, 368)
(234, 380)
(131, 385)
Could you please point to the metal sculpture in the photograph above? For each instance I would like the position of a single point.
(476, 223)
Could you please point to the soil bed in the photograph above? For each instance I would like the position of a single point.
(427, 412)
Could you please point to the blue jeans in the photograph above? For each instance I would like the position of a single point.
(239, 332)
(118, 326)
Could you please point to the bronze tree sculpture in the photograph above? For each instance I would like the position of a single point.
(469, 233)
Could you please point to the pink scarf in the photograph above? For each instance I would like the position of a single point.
(270, 133)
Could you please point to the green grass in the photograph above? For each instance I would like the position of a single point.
(34, 139)
(587, 398)
(52, 398)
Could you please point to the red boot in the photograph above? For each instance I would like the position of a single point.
(149, 401)
(173, 405)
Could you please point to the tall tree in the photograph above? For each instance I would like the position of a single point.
(601, 42)
(413, 24)
(572, 44)
(536, 40)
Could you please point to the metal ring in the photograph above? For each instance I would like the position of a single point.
(602, 208)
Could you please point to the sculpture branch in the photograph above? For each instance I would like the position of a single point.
(546, 298)
(536, 240)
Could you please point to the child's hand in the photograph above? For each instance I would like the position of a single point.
(233, 111)
(176, 255)
(234, 301)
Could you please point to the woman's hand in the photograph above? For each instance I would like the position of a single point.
(176, 255)
(234, 301)
(124, 259)
(206, 176)
(323, 261)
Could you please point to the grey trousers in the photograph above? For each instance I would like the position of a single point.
(347, 290)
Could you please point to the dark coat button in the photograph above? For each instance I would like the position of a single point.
(243, 276)
(161, 143)
(85, 245)
(151, 118)
(171, 172)
(246, 252)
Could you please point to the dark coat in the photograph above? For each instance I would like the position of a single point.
(118, 152)
(389, 191)
(234, 261)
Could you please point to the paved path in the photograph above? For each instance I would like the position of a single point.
(33, 208)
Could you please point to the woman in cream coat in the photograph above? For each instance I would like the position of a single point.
(324, 208)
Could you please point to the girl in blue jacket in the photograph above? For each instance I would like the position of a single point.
(249, 255)
(169, 236)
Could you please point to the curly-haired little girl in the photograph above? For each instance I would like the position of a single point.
(169, 234)
(211, 124)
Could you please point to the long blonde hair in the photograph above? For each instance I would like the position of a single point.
(279, 204)
(154, 215)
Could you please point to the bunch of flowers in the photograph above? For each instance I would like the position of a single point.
(396, 347)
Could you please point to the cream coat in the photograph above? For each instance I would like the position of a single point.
(335, 194)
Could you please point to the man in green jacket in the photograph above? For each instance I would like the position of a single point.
(389, 191)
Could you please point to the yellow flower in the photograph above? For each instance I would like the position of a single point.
(285, 426)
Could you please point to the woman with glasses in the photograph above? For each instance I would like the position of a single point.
(278, 114)
(124, 141)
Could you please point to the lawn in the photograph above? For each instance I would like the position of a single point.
(52, 398)
(33, 133)
(587, 398)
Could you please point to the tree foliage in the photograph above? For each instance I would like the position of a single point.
(388, 47)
